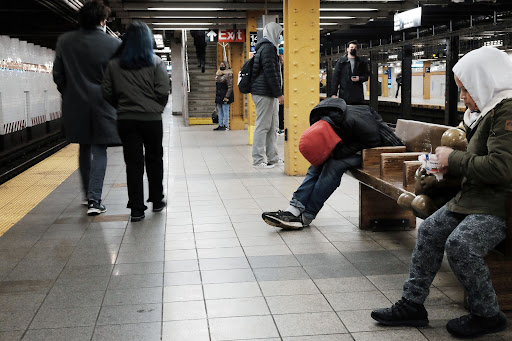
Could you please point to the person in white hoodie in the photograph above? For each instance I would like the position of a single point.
(474, 221)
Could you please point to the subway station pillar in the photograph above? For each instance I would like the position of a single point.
(374, 81)
(406, 104)
(178, 89)
(252, 26)
(236, 120)
(451, 92)
(301, 70)
(426, 79)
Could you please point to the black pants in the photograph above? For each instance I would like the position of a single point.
(281, 116)
(139, 137)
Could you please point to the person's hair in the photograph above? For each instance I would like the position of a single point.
(136, 51)
(92, 14)
(352, 42)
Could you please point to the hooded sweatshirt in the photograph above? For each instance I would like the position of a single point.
(486, 166)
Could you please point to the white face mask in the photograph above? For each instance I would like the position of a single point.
(104, 28)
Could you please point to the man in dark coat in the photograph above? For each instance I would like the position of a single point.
(359, 127)
(349, 75)
(80, 61)
(267, 94)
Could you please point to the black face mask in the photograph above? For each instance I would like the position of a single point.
(353, 52)
(222, 68)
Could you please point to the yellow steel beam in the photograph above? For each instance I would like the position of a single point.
(252, 25)
(301, 72)
(236, 120)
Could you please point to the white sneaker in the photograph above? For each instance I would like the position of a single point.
(279, 162)
(264, 165)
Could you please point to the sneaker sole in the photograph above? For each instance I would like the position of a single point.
(268, 167)
(136, 219)
(411, 323)
(284, 225)
(158, 209)
(95, 211)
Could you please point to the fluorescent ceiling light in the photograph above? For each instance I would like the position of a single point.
(184, 28)
(182, 23)
(328, 23)
(348, 9)
(335, 18)
(184, 9)
(179, 17)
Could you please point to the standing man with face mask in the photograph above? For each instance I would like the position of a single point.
(349, 75)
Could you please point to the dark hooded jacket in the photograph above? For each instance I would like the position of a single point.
(266, 70)
(351, 92)
(359, 126)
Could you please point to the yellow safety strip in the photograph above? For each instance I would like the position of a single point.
(21, 194)
(200, 120)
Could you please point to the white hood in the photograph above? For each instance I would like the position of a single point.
(486, 73)
(272, 31)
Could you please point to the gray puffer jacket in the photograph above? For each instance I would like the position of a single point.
(137, 94)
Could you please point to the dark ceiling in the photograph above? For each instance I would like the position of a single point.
(42, 21)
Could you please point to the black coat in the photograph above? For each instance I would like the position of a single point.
(357, 125)
(224, 88)
(351, 92)
(266, 71)
(80, 61)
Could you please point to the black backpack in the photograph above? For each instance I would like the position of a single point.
(245, 76)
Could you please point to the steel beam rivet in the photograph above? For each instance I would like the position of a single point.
(295, 115)
(296, 10)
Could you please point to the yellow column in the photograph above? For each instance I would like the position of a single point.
(385, 76)
(236, 120)
(426, 80)
(252, 25)
(301, 69)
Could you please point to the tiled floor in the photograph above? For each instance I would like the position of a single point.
(207, 268)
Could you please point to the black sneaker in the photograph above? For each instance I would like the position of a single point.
(218, 128)
(95, 208)
(402, 313)
(471, 325)
(136, 215)
(159, 206)
(283, 219)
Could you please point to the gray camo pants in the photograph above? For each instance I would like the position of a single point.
(466, 240)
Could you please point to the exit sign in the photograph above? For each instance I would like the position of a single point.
(231, 36)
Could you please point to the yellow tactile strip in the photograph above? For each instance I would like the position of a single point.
(21, 194)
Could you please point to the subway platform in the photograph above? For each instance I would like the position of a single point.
(207, 267)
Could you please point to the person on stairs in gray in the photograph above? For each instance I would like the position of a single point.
(267, 94)
(80, 60)
(474, 221)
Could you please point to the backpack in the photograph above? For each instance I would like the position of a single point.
(245, 76)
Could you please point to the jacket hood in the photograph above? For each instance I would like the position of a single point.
(334, 108)
(485, 72)
(272, 31)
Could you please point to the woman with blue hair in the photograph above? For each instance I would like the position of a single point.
(137, 85)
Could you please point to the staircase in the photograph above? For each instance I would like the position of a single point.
(201, 98)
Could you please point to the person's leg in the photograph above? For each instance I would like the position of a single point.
(84, 163)
(281, 117)
(134, 160)
(466, 247)
(428, 253)
(328, 181)
(263, 124)
(98, 168)
(271, 138)
(425, 262)
(301, 196)
(220, 112)
(226, 115)
(152, 135)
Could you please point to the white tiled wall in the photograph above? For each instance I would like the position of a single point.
(26, 98)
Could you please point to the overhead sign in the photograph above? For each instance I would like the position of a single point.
(231, 36)
(407, 19)
(211, 36)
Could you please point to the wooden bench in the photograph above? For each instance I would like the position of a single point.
(387, 172)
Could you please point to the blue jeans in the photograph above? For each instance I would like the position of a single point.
(223, 111)
(92, 161)
(320, 183)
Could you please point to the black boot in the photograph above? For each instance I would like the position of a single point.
(471, 325)
(402, 313)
